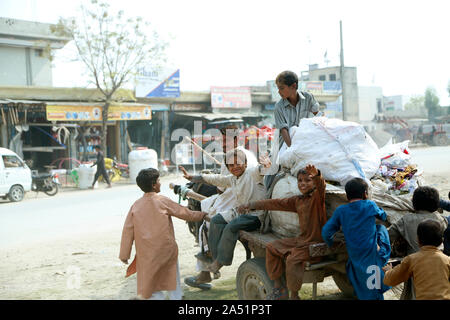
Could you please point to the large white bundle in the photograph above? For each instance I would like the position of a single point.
(340, 149)
(285, 223)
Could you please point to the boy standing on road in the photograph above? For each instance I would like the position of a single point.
(149, 225)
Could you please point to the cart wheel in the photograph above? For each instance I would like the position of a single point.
(344, 284)
(252, 281)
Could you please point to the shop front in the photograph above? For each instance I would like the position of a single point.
(87, 119)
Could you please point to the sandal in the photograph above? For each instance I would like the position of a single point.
(192, 282)
(278, 294)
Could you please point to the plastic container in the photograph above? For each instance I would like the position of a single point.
(141, 159)
(86, 175)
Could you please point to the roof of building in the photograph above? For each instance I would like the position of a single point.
(22, 33)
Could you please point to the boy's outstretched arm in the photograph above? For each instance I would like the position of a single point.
(330, 228)
(379, 212)
(218, 180)
(286, 204)
(176, 210)
(399, 274)
(316, 175)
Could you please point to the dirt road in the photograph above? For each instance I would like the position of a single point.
(84, 265)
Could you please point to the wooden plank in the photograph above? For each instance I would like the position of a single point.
(319, 265)
(260, 239)
(322, 249)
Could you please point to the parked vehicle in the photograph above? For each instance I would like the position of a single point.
(435, 134)
(45, 182)
(15, 176)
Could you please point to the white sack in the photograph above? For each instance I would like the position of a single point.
(340, 149)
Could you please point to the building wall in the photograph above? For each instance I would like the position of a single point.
(13, 70)
(20, 66)
(41, 69)
(369, 97)
(350, 84)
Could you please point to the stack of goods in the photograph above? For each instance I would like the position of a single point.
(398, 174)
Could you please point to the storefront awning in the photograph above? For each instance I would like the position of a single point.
(71, 111)
(215, 116)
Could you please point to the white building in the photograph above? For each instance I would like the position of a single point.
(370, 100)
(25, 48)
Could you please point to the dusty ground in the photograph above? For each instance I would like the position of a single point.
(86, 267)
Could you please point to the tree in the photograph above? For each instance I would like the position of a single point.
(112, 47)
(415, 103)
(432, 103)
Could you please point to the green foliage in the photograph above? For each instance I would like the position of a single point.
(432, 103)
(415, 103)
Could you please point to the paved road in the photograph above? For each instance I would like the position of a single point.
(432, 160)
(68, 213)
(89, 210)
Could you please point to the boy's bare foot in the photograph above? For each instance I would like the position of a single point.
(203, 277)
(214, 267)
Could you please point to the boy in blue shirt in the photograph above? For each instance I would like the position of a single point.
(367, 243)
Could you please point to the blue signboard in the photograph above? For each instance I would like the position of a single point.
(169, 88)
(158, 83)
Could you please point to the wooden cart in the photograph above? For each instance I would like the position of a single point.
(253, 283)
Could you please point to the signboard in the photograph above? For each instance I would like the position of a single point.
(392, 103)
(314, 87)
(94, 113)
(189, 107)
(158, 82)
(231, 97)
(335, 106)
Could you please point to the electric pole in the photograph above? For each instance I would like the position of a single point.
(342, 73)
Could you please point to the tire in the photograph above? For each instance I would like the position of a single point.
(342, 282)
(54, 189)
(16, 193)
(252, 281)
(440, 140)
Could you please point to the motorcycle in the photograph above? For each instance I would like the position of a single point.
(45, 182)
(122, 167)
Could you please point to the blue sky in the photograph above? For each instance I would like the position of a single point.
(401, 46)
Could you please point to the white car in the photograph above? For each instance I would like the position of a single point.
(15, 176)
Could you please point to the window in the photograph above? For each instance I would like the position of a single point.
(12, 162)
(322, 78)
(332, 77)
